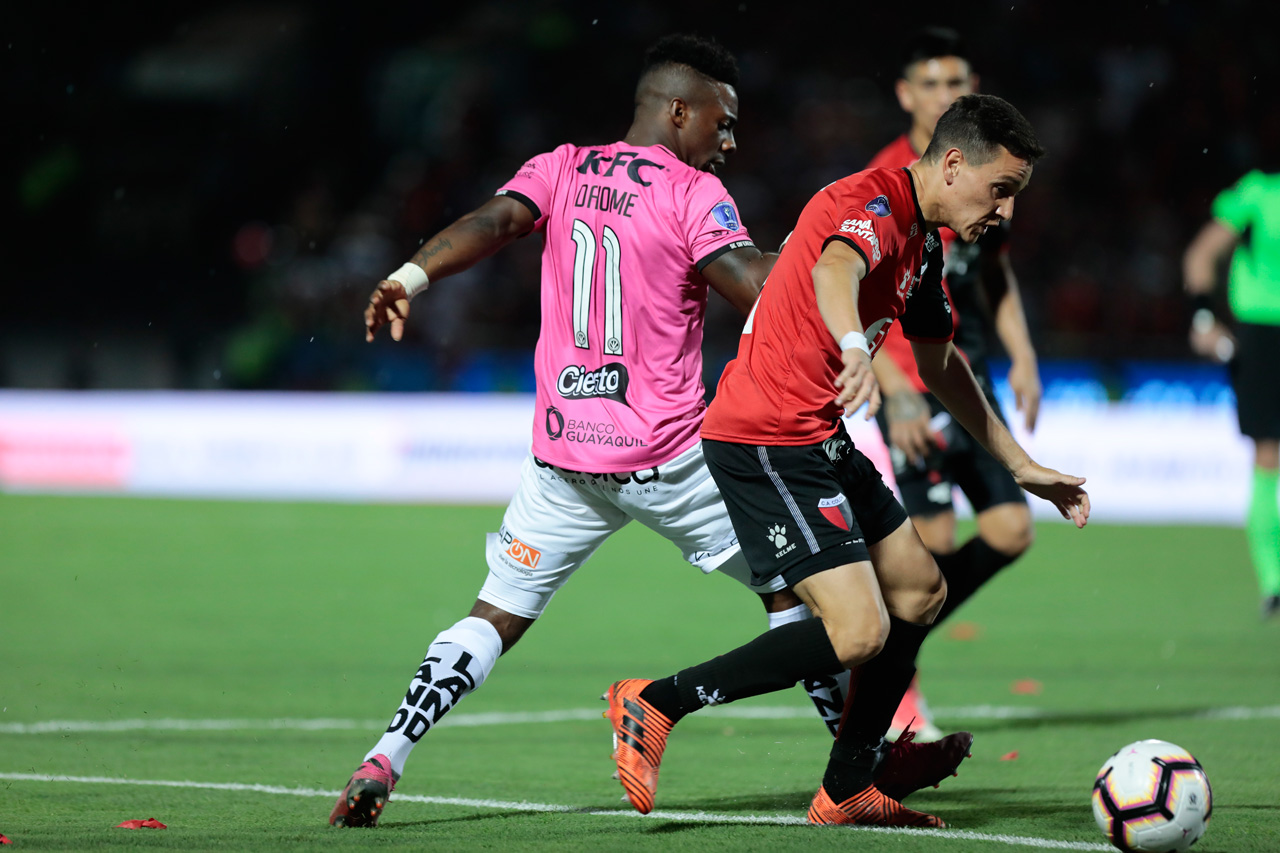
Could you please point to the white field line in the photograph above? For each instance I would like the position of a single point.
(689, 817)
(499, 718)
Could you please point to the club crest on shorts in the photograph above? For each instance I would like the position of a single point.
(836, 510)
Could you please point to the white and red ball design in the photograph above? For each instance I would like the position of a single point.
(1152, 796)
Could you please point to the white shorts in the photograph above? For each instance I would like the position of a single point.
(558, 519)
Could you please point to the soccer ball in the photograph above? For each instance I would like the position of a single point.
(1152, 796)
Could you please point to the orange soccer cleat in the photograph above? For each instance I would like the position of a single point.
(868, 807)
(639, 738)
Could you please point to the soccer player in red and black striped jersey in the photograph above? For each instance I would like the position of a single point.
(807, 505)
(930, 453)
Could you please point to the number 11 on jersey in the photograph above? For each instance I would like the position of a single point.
(584, 265)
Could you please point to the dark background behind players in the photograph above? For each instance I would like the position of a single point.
(197, 197)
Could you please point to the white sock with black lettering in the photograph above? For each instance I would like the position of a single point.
(457, 662)
(828, 693)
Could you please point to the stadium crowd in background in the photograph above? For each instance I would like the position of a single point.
(244, 171)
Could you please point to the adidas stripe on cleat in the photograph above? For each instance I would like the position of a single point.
(367, 792)
(868, 807)
(909, 766)
(639, 738)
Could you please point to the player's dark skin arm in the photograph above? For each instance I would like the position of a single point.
(739, 275)
(460, 246)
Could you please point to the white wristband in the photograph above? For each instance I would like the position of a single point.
(1203, 320)
(855, 340)
(412, 277)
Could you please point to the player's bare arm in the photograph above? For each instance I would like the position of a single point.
(836, 278)
(738, 275)
(949, 378)
(1002, 291)
(471, 239)
(1209, 336)
(906, 410)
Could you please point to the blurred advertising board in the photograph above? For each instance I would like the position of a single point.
(1154, 462)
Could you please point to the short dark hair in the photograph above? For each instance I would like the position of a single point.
(705, 56)
(980, 124)
(931, 43)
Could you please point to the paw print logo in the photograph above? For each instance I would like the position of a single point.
(776, 536)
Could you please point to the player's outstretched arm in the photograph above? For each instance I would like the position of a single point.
(949, 378)
(472, 238)
(738, 275)
(1011, 326)
(836, 279)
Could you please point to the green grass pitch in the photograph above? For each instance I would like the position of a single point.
(226, 616)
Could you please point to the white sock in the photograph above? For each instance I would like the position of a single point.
(799, 613)
(457, 662)
(829, 693)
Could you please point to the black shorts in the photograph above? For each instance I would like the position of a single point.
(959, 461)
(1254, 378)
(804, 509)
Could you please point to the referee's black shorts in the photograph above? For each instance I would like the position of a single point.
(1254, 377)
(800, 510)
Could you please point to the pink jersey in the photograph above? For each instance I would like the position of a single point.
(619, 359)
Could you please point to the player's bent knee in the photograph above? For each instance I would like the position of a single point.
(934, 600)
(1011, 533)
(922, 603)
(510, 626)
(858, 643)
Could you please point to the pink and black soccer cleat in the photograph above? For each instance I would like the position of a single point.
(913, 713)
(367, 791)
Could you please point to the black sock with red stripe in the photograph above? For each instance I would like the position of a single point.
(775, 660)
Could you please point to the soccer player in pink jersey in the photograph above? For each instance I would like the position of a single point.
(635, 232)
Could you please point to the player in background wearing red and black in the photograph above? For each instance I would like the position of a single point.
(807, 505)
(930, 452)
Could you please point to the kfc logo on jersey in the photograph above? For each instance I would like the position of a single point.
(879, 206)
(608, 381)
(836, 510)
(726, 216)
(631, 159)
(862, 228)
